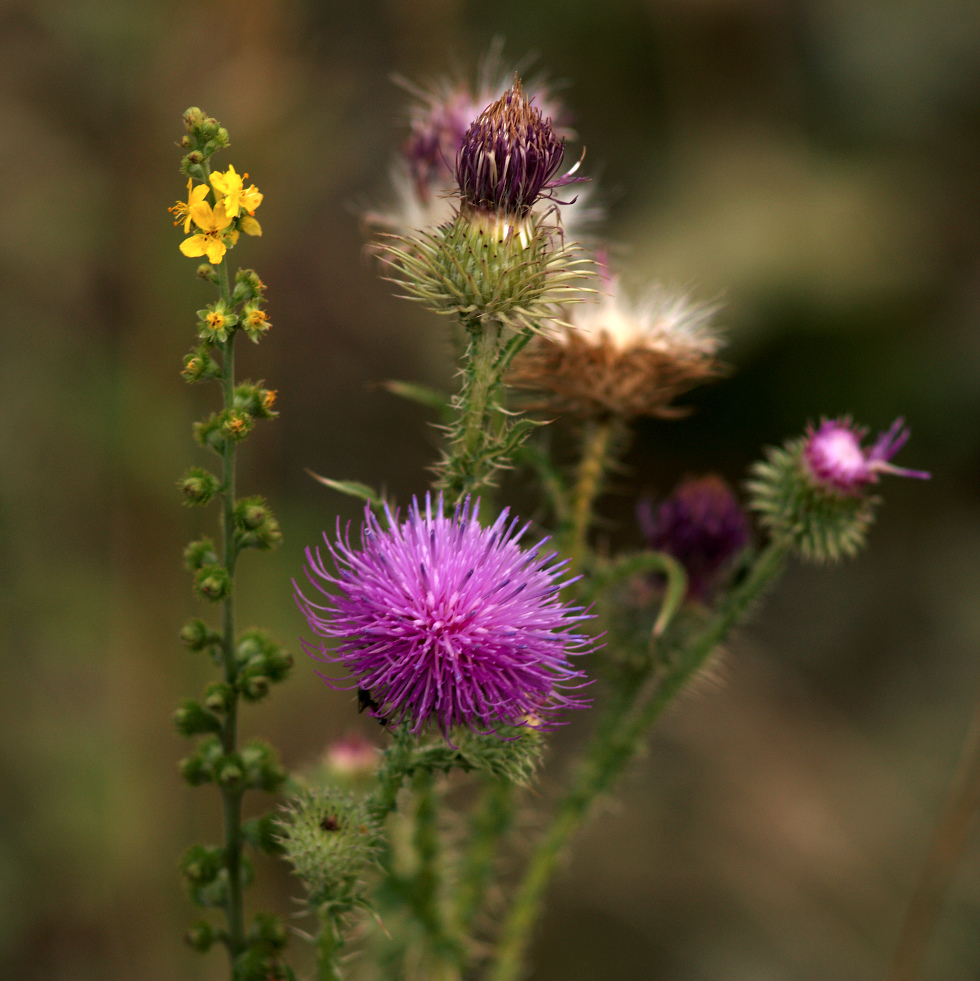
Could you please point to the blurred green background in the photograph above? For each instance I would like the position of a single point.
(812, 164)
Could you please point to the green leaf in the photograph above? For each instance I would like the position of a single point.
(429, 397)
(352, 488)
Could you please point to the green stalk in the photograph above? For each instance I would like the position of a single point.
(613, 747)
(492, 817)
(328, 944)
(235, 910)
(591, 471)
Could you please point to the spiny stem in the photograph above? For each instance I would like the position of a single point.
(949, 842)
(614, 745)
(591, 470)
(491, 819)
(328, 944)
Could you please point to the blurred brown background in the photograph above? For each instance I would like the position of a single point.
(813, 164)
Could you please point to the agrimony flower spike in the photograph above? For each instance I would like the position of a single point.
(447, 623)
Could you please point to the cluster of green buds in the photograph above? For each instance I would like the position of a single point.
(218, 208)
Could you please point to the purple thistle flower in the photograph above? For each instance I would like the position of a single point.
(702, 526)
(836, 461)
(445, 621)
(509, 158)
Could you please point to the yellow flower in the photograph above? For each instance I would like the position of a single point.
(235, 196)
(209, 240)
(182, 209)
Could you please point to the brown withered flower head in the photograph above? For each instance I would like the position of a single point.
(617, 358)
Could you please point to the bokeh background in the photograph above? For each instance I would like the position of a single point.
(811, 163)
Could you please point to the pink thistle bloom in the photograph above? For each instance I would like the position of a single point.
(352, 756)
(837, 461)
(444, 621)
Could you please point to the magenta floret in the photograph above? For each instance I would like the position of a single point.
(836, 459)
(446, 622)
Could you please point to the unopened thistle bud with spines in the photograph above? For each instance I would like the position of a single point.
(498, 257)
(812, 492)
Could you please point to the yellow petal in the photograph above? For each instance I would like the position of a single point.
(251, 198)
(250, 226)
(202, 214)
(231, 237)
(220, 218)
(194, 246)
(215, 250)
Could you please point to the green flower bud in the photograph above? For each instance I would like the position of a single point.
(221, 137)
(219, 696)
(235, 424)
(199, 486)
(254, 689)
(199, 554)
(210, 433)
(206, 271)
(263, 770)
(269, 930)
(201, 936)
(199, 767)
(205, 878)
(197, 635)
(212, 582)
(193, 719)
(252, 288)
(200, 366)
(193, 118)
(229, 773)
(255, 527)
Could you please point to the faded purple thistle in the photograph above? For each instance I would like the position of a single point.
(446, 622)
(509, 158)
(836, 460)
(702, 526)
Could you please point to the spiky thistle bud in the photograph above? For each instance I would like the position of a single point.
(812, 491)
(330, 839)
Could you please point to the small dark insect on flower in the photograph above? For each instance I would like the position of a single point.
(329, 823)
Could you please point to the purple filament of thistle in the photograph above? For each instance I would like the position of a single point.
(446, 622)
(509, 157)
(702, 526)
(836, 460)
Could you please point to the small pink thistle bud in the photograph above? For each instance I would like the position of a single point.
(836, 460)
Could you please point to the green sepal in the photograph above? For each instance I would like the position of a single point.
(205, 878)
(212, 582)
(254, 398)
(262, 769)
(248, 286)
(199, 365)
(268, 930)
(219, 696)
(193, 719)
(200, 553)
(255, 526)
(235, 424)
(198, 486)
(208, 433)
(201, 936)
(200, 766)
(198, 636)
(261, 964)
(508, 752)
(206, 272)
(260, 657)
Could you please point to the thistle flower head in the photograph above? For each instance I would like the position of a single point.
(619, 358)
(702, 526)
(446, 622)
(837, 461)
(812, 491)
(509, 158)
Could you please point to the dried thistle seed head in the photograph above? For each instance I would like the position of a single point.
(621, 359)
(509, 158)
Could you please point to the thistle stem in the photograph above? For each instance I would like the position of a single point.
(491, 819)
(949, 842)
(463, 470)
(591, 470)
(614, 745)
(328, 944)
(229, 735)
